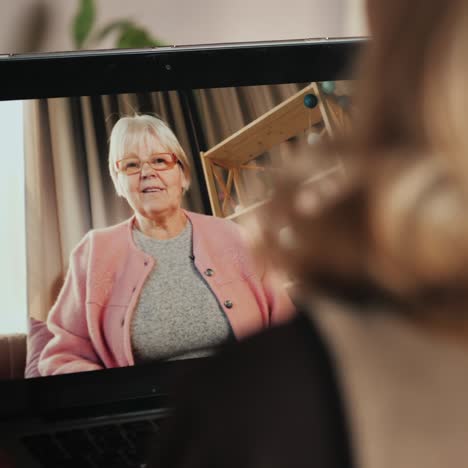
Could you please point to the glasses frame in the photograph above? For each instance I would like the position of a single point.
(175, 160)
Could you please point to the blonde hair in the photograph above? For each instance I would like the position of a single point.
(131, 130)
(400, 221)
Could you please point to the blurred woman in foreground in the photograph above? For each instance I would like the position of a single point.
(374, 373)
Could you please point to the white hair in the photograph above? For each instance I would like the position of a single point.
(130, 131)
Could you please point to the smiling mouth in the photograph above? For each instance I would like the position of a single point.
(152, 190)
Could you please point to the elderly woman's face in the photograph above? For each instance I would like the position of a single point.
(152, 193)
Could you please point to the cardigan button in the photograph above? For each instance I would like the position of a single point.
(209, 272)
(146, 263)
(134, 289)
(122, 322)
(228, 304)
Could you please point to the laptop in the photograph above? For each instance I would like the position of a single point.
(240, 112)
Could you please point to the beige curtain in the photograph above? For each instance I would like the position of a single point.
(56, 215)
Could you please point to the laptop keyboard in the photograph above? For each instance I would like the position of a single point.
(110, 446)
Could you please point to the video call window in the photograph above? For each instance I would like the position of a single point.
(233, 141)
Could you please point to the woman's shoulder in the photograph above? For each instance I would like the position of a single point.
(283, 374)
(214, 224)
(111, 233)
(274, 363)
(100, 238)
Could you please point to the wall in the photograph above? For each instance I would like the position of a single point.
(354, 19)
(44, 25)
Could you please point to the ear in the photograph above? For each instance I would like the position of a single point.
(184, 181)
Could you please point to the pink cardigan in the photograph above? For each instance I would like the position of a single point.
(90, 321)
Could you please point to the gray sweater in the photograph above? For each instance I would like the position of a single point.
(177, 315)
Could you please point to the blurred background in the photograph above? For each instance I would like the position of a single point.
(50, 25)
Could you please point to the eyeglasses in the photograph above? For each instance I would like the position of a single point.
(157, 161)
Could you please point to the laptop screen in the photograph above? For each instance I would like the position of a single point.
(121, 214)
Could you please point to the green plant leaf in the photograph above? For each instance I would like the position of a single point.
(112, 27)
(133, 36)
(83, 22)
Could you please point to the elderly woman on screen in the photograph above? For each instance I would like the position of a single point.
(167, 283)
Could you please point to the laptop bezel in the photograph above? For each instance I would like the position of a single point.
(126, 71)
